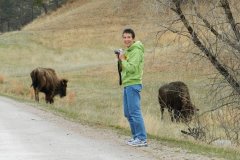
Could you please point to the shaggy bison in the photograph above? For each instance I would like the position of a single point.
(45, 80)
(175, 97)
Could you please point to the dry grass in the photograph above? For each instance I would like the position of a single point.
(2, 79)
(71, 98)
(17, 88)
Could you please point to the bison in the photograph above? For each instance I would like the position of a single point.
(175, 97)
(45, 80)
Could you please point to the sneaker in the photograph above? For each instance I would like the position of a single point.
(138, 143)
(130, 140)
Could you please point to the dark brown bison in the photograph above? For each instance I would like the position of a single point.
(45, 80)
(175, 97)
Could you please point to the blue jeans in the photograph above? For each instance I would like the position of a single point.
(132, 111)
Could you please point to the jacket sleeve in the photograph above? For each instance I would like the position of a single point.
(132, 63)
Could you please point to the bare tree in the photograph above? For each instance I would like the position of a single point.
(214, 30)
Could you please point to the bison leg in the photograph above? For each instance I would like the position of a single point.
(162, 110)
(162, 106)
(177, 115)
(51, 100)
(36, 92)
(47, 98)
(170, 113)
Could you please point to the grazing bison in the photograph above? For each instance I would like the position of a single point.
(45, 80)
(175, 97)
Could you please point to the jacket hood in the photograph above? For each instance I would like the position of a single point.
(138, 45)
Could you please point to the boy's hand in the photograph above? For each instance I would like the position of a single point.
(122, 57)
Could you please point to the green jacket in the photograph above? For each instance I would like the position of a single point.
(132, 67)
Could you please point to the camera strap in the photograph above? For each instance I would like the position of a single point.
(119, 72)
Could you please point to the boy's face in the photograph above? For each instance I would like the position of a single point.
(127, 39)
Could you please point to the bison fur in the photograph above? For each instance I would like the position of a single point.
(45, 80)
(175, 97)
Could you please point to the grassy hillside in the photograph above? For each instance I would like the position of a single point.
(78, 41)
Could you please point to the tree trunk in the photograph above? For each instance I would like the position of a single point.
(44, 5)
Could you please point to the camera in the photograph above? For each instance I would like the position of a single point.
(118, 51)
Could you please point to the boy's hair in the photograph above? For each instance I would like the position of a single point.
(130, 31)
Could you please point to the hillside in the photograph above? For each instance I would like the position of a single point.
(94, 22)
(97, 25)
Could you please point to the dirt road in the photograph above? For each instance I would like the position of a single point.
(28, 133)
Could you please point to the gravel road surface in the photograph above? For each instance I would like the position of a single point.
(30, 133)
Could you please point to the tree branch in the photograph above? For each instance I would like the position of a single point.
(230, 18)
(219, 36)
(221, 69)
